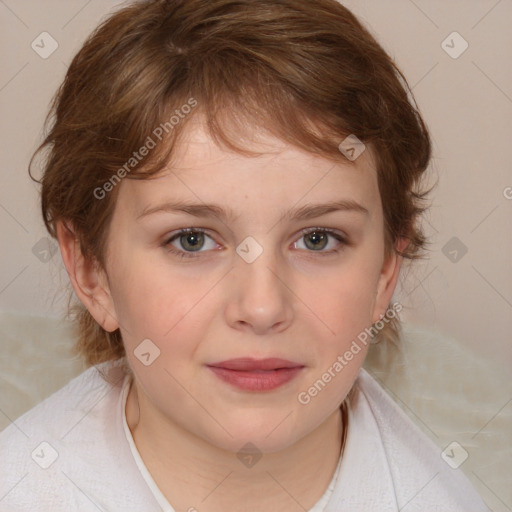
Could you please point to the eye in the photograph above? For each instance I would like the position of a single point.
(317, 239)
(186, 242)
(191, 240)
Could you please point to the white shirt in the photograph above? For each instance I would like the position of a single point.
(74, 452)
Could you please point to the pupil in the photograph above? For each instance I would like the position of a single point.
(317, 239)
(193, 240)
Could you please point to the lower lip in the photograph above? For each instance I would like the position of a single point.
(256, 381)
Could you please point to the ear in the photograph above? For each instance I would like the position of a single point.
(87, 278)
(387, 281)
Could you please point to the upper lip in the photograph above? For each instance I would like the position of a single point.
(248, 364)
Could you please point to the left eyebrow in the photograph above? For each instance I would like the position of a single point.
(311, 211)
(308, 211)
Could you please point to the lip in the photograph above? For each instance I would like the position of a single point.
(256, 374)
(251, 364)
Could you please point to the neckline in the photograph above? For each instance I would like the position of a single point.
(146, 475)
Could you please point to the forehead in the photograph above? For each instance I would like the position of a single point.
(282, 174)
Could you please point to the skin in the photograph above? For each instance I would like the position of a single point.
(295, 302)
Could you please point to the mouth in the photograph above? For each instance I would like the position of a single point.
(250, 364)
(256, 375)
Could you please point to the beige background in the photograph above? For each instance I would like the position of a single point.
(467, 103)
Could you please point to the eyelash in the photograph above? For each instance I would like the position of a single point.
(187, 254)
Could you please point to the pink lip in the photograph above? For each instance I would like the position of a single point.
(249, 364)
(256, 375)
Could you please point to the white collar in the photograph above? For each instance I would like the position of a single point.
(365, 482)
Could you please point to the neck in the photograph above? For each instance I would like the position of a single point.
(195, 475)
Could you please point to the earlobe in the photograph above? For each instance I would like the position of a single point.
(87, 278)
(388, 280)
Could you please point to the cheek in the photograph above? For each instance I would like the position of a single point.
(153, 301)
(345, 316)
(146, 301)
(345, 299)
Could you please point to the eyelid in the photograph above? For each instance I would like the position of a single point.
(329, 231)
(341, 237)
(177, 234)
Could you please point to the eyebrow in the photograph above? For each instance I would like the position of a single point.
(308, 211)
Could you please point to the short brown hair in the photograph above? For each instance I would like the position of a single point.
(306, 71)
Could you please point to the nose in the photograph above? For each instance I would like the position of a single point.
(260, 301)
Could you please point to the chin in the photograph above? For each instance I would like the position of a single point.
(267, 435)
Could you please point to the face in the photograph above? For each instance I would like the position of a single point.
(284, 258)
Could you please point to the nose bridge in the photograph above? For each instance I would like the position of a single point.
(259, 297)
(261, 274)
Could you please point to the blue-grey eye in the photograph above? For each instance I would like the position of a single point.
(317, 240)
(192, 240)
